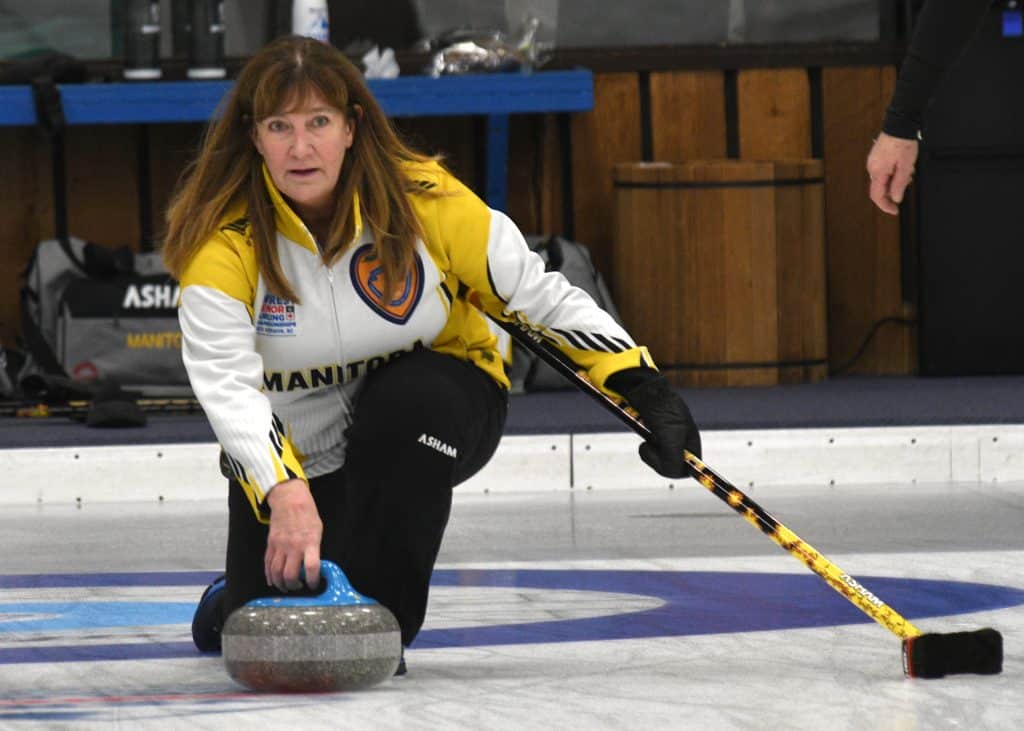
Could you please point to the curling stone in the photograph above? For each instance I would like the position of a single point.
(339, 640)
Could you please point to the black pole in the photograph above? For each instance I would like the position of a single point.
(143, 178)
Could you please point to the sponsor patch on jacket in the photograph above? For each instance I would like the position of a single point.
(367, 274)
(276, 316)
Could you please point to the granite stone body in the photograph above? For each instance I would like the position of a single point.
(311, 645)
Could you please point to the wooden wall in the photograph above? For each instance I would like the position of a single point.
(775, 119)
(864, 272)
(560, 176)
(102, 194)
(608, 135)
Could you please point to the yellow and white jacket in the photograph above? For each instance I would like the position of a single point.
(277, 379)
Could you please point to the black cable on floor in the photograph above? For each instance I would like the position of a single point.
(867, 341)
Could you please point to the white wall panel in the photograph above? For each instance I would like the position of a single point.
(524, 464)
(608, 461)
(105, 474)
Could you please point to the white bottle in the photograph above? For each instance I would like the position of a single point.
(310, 18)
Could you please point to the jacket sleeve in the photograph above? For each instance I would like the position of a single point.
(490, 256)
(944, 29)
(226, 372)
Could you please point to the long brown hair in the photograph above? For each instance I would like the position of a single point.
(281, 76)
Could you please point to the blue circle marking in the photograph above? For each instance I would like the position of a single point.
(91, 614)
(693, 603)
(710, 602)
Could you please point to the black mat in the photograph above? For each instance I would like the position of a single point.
(845, 402)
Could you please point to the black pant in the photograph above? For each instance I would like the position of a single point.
(385, 511)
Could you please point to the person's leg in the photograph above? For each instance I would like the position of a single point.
(422, 424)
(247, 541)
(418, 431)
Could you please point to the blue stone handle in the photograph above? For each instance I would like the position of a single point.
(337, 593)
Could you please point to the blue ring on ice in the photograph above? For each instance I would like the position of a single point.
(693, 603)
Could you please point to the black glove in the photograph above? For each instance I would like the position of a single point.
(665, 414)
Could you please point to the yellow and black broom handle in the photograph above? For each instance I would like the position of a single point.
(834, 576)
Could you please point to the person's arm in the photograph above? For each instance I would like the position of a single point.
(943, 30)
(508, 281)
(226, 374)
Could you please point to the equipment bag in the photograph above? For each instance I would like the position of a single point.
(572, 259)
(97, 314)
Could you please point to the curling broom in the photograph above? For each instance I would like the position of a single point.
(929, 655)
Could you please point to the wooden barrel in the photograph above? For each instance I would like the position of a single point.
(719, 268)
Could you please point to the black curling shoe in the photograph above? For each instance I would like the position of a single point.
(206, 622)
(401, 669)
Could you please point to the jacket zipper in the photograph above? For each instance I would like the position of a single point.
(337, 335)
(346, 407)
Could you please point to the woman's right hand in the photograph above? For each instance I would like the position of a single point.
(294, 540)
